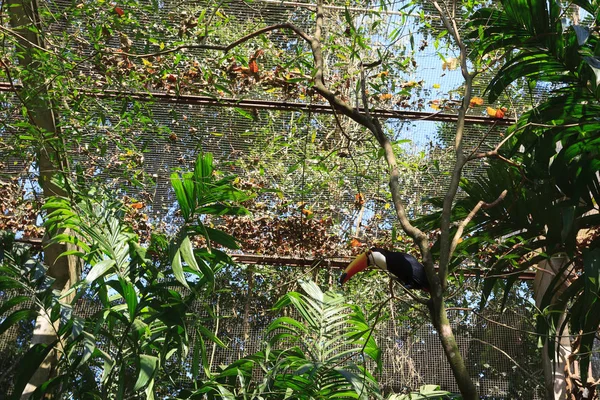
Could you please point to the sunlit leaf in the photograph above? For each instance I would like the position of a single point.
(99, 269)
(147, 365)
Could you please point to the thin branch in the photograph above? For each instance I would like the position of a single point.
(413, 296)
(209, 21)
(18, 93)
(495, 154)
(227, 48)
(28, 42)
(482, 141)
(363, 90)
(512, 328)
(461, 227)
(406, 303)
(492, 153)
(505, 353)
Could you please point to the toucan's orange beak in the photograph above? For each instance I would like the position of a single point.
(360, 263)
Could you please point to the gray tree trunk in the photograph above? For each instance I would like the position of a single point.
(554, 373)
(65, 270)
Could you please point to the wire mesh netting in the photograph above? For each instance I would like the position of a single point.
(498, 348)
(295, 155)
(309, 156)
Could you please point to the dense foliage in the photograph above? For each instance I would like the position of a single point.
(549, 167)
(85, 94)
(142, 330)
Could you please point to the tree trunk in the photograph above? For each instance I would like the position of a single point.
(65, 270)
(451, 350)
(554, 372)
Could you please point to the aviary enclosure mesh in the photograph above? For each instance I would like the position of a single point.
(499, 352)
(500, 358)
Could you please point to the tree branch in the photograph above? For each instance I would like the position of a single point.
(505, 353)
(461, 227)
(492, 153)
(227, 48)
(482, 140)
(375, 127)
(24, 41)
(445, 244)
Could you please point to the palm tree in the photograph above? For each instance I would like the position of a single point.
(322, 355)
(549, 166)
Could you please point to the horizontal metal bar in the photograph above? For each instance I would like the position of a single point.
(337, 262)
(321, 108)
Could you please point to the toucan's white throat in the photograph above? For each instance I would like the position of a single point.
(377, 259)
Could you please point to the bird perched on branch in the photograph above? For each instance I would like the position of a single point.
(404, 267)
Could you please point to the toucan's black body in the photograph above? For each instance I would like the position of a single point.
(406, 268)
(403, 266)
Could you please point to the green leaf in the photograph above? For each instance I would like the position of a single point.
(245, 114)
(594, 63)
(196, 359)
(222, 209)
(89, 346)
(204, 356)
(7, 283)
(178, 268)
(99, 269)
(312, 290)
(582, 32)
(210, 335)
(286, 323)
(47, 387)
(356, 381)
(187, 253)
(533, 65)
(13, 301)
(222, 238)
(203, 170)
(150, 390)
(148, 365)
(184, 204)
(130, 296)
(225, 394)
(189, 187)
(591, 318)
(17, 316)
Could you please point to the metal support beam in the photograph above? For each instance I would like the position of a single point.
(322, 108)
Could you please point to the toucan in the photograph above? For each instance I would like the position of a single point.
(405, 267)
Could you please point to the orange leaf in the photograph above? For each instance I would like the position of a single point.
(386, 96)
(137, 205)
(307, 212)
(495, 112)
(355, 243)
(359, 199)
(119, 11)
(253, 66)
(476, 101)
